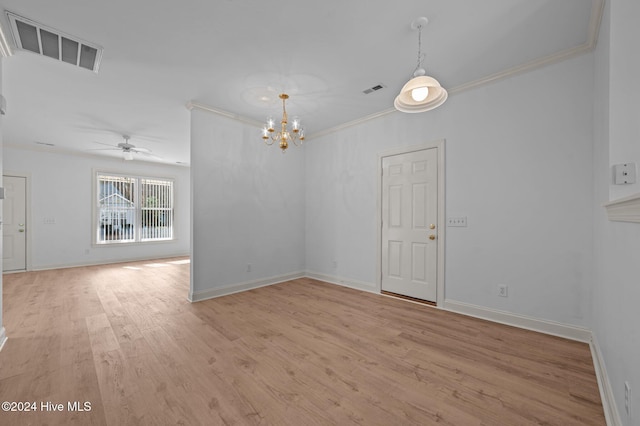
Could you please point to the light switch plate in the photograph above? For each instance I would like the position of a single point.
(457, 221)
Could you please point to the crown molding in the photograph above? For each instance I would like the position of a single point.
(597, 10)
(67, 151)
(624, 209)
(191, 105)
(352, 123)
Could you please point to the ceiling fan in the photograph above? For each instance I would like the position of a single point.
(127, 149)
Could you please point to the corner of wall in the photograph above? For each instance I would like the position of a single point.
(606, 392)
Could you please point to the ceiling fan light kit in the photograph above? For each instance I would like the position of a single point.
(421, 93)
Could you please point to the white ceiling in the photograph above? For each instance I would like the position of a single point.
(159, 55)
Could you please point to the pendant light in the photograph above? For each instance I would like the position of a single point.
(421, 93)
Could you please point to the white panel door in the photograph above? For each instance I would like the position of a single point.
(14, 231)
(409, 219)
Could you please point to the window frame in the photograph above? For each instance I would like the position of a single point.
(138, 209)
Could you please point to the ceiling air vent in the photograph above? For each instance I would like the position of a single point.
(373, 89)
(37, 38)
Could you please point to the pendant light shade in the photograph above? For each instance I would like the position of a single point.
(412, 99)
(421, 93)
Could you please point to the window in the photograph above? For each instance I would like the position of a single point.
(133, 209)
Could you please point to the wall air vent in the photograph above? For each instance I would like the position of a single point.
(37, 38)
(374, 89)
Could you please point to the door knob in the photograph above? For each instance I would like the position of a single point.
(432, 237)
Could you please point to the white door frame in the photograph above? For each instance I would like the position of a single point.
(27, 177)
(440, 146)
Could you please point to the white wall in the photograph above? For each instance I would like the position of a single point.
(61, 188)
(624, 90)
(518, 165)
(247, 205)
(3, 336)
(616, 294)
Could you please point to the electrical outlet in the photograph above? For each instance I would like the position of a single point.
(502, 290)
(248, 267)
(627, 398)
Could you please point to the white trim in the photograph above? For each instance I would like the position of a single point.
(29, 223)
(353, 123)
(66, 151)
(191, 105)
(606, 393)
(624, 209)
(128, 259)
(240, 287)
(3, 337)
(439, 145)
(597, 10)
(331, 279)
(595, 19)
(553, 328)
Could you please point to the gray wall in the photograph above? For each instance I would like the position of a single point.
(616, 317)
(518, 165)
(527, 161)
(2, 331)
(61, 188)
(248, 207)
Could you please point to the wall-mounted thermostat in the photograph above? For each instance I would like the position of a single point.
(624, 173)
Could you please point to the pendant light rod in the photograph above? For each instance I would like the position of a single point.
(419, 24)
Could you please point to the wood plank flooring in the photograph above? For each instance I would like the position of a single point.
(125, 339)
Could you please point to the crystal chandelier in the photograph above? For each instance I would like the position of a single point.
(284, 136)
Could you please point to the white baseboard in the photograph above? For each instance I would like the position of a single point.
(3, 337)
(606, 392)
(543, 326)
(358, 285)
(244, 286)
(105, 262)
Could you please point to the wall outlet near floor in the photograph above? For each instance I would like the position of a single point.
(627, 398)
(503, 290)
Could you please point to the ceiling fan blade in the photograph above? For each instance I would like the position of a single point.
(107, 144)
(141, 150)
(104, 149)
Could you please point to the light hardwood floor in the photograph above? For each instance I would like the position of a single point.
(124, 338)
